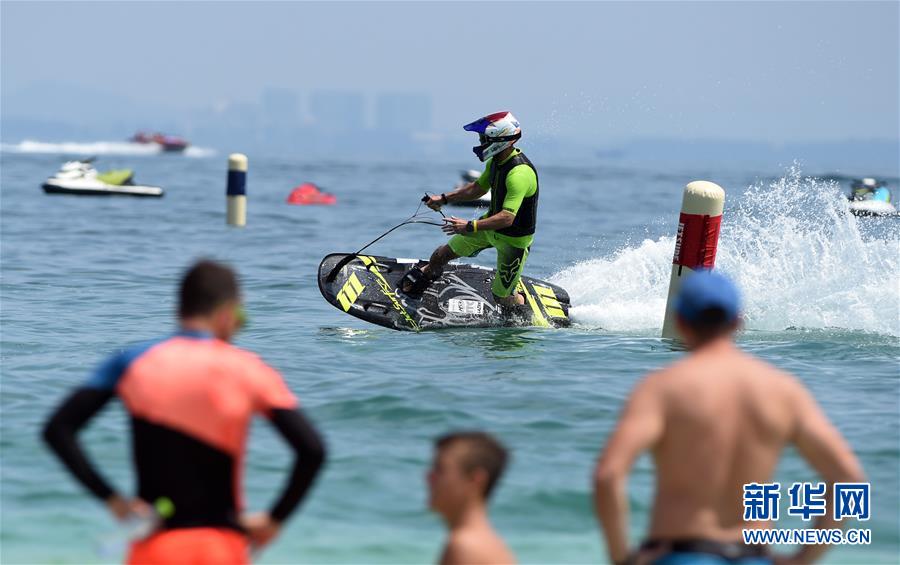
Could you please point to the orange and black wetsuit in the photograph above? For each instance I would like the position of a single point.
(191, 398)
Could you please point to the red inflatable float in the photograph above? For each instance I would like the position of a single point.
(308, 193)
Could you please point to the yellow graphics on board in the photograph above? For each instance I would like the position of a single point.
(372, 265)
(548, 299)
(350, 292)
(538, 318)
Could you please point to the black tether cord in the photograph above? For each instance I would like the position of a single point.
(410, 220)
(425, 199)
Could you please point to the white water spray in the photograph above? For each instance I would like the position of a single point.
(98, 148)
(796, 252)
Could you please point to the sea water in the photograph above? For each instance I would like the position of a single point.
(83, 277)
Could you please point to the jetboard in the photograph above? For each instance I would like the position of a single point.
(365, 286)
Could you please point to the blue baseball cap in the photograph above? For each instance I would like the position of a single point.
(705, 290)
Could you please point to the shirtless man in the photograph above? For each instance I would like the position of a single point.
(714, 421)
(466, 468)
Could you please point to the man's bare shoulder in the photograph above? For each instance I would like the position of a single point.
(476, 547)
(656, 384)
(731, 358)
(654, 381)
(762, 369)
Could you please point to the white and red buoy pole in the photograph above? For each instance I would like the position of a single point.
(697, 240)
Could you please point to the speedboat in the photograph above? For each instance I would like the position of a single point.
(168, 143)
(871, 197)
(81, 178)
(471, 176)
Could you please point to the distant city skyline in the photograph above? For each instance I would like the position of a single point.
(602, 74)
(342, 124)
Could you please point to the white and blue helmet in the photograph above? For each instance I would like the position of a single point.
(495, 132)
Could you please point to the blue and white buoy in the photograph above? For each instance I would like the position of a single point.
(236, 190)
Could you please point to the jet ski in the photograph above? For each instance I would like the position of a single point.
(870, 197)
(81, 178)
(168, 143)
(467, 177)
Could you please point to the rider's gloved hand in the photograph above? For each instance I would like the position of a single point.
(435, 202)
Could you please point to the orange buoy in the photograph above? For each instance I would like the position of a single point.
(308, 193)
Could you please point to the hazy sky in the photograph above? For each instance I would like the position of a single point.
(773, 71)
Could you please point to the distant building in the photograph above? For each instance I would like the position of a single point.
(280, 106)
(338, 111)
(403, 112)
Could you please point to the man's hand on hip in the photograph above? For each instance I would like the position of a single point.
(261, 528)
(124, 508)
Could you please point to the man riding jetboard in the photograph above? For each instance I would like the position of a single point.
(510, 222)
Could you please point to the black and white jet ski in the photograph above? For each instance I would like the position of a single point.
(367, 287)
(467, 177)
(81, 178)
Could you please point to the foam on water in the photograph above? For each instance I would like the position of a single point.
(796, 252)
(97, 148)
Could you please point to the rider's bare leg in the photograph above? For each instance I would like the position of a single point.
(514, 299)
(441, 256)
